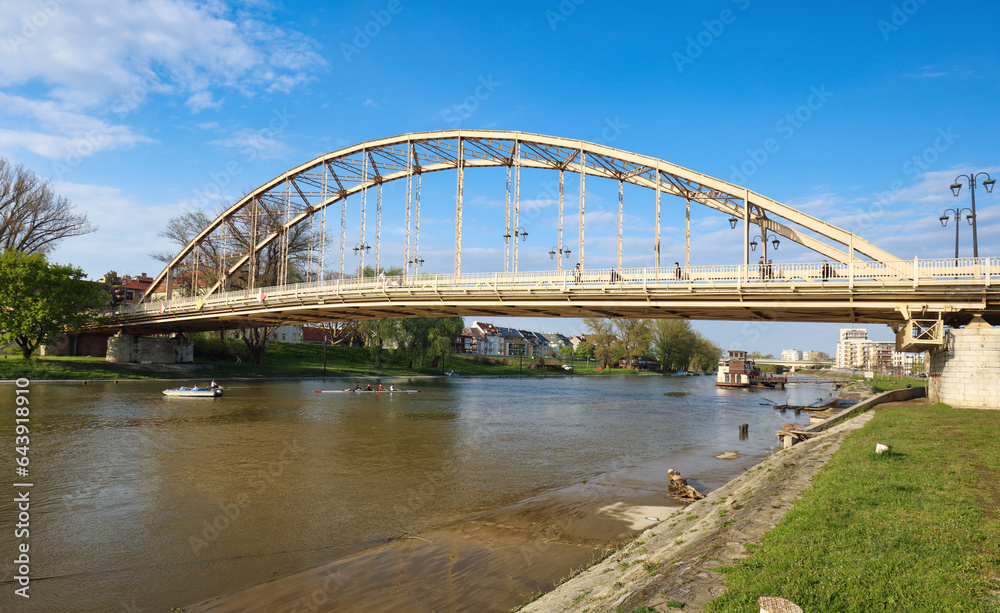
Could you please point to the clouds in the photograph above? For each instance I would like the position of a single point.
(75, 68)
(87, 53)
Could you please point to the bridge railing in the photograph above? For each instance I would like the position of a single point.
(975, 271)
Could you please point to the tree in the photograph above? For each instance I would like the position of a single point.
(584, 351)
(33, 218)
(115, 288)
(633, 337)
(39, 300)
(566, 352)
(673, 343)
(705, 355)
(246, 230)
(602, 337)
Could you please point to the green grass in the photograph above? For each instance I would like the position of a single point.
(914, 530)
(884, 383)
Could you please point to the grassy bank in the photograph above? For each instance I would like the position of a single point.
(288, 360)
(912, 530)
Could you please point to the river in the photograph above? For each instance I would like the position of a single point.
(142, 502)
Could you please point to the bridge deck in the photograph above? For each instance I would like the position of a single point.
(794, 292)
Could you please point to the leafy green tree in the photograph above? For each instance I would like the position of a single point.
(584, 351)
(602, 336)
(633, 337)
(39, 300)
(566, 352)
(673, 343)
(114, 285)
(705, 355)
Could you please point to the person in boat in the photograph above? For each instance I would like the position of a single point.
(380, 387)
(392, 387)
(214, 385)
(357, 387)
(370, 388)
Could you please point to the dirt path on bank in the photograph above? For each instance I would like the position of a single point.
(673, 561)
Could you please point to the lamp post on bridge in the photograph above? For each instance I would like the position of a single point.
(955, 188)
(520, 231)
(561, 252)
(958, 219)
(361, 248)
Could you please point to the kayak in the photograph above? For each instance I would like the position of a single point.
(194, 392)
(366, 391)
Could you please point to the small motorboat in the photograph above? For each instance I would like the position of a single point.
(197, 392)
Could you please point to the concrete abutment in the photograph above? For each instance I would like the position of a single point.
(176, 349)
(965, 371)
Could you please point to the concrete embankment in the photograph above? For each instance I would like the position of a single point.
(672, 563)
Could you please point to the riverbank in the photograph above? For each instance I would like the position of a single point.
(911, 530)
(299, 360)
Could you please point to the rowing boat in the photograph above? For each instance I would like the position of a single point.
(194, 392)
(366, 391)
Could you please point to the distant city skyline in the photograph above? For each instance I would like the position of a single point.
(858, 113)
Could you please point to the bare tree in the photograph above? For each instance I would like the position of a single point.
(33, 218)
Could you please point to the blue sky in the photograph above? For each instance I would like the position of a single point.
(859, 113)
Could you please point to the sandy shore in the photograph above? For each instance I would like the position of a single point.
(673, 561)
(498, 560)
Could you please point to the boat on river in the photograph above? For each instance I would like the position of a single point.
(740, 371)
(366, 391)
(194, 392)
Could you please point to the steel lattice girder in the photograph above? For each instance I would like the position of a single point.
(328, 179)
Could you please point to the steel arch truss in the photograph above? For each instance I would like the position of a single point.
(278, 213)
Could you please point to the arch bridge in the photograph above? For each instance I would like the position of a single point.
(264, 260)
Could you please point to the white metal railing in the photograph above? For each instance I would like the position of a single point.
(965, 271)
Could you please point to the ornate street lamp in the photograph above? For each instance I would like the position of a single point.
(971, 217)
(361, 249)
(555, 250)
(733, 221)
(519, 231)
(957, 187)
(753, 243)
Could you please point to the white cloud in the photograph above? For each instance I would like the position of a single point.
(262, 142)
(124, 244)
(202, 100)
(49, 130)
(106, 58)
(90, 52)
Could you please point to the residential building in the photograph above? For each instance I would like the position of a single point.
(286, 334)
(791, 355)
(856, 350)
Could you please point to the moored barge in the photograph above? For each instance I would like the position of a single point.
(740, 371)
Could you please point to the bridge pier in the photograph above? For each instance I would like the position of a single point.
(965, 370)
(177, 349)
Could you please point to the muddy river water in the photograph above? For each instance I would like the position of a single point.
(480, 490)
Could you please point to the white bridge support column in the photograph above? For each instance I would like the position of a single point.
(965, 371)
